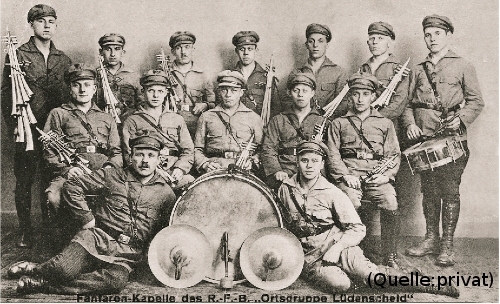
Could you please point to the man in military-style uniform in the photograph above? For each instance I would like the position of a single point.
(194, 88)
(124, 83)
(444, 88)
(329, 229)
(86, 128)
(44, 67)
(223, 132)
(364, 137)
(289, 128)
(330, 77)
(245, 43)
(114, 236)
(178, 152)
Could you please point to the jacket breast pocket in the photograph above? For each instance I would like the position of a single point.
(448, 83)
(196, 94)
(153, 213)
(103, 130)
(243, 132)
(73, 131)
(348, 141)
(328, 86)
(172, 132)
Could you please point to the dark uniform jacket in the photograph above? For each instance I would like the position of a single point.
(121, 210)
(456, 83)
(281, 136)
(45, 80)
(64, 121)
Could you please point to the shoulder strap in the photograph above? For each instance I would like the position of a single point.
(298, 207)
(228, 127)
(157, 128)
(298, 130)
(432, 83)
(184, 89)
(85, 124)
(363, 138)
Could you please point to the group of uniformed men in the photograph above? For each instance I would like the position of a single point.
(320, 184)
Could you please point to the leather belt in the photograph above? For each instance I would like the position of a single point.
(226, 154)
(359, 154)
(287, 151)
(123, 238)
(186, 108)
(436, 107)
(91, 149)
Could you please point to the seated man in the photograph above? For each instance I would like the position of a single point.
(224, 131)
(327, 225)
(289, 128)
(114, 235)
(363, 136)
(87, 129)
(178, 154)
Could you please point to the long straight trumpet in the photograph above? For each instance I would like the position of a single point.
(21, 95)
(319, 129)
(266, 103)
(384, 98)
(109, 97)
(164, 64)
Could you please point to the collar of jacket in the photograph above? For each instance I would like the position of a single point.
(122, 69)
(31, 47)
(194, 67)
(313, 111)
(321, 184)
(70, 106)
(257, 69)
(129, 176)
(241, 108)
(449, 54)
(390, 59)
(326, 62)
(373, 113)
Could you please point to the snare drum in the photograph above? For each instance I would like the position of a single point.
(232, 202)
(433, 153)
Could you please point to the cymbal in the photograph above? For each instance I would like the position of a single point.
(271, 258)
(180, 256)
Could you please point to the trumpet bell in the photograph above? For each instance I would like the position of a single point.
(271, 258)
(180, 256)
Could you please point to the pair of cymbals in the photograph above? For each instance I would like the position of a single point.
(271, 258)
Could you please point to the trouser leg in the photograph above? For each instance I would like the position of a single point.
(354, 195)
(326, 278)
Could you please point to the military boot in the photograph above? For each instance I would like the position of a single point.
(432, 214)
(451, 212)
(389, 232)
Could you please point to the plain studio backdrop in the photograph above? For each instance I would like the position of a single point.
(147, 26)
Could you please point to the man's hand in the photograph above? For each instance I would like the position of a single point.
(413, 132)
(280, 176)
(377, 180)
(333, 254)
(454, 124)
(75, 171)
(211, 166)
(352, 181)
(200, 107)
(177, 174)
(89, 224)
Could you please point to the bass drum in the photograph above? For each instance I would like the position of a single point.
(233, 202)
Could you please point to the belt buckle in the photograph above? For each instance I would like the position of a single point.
(185, 107)
(368, 155)
(90, 149)
(229, 154)
(294, 152)
(360, 154)
(124, 239)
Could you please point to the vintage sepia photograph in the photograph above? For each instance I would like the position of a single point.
(249, 151)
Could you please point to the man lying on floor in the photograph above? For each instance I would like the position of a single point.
(101, 256)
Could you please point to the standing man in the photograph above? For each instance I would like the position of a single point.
(224, 131)
(178, 152)
(195, 90)
(87, 129)
(114, 236)
(123, 81)
(330, 78)
(327, 225)
(44, 68)
(245, 43)
(287, 129)
(363, 137)
(444, 86)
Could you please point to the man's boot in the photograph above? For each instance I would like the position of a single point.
(389, 232)
(451, 211)
(432, 213)
(369, 243)
(34, 284)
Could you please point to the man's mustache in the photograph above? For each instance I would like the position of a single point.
(144, 166)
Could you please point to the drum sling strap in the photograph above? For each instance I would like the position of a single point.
(184, 89)
(89, 129)
(298, 130)
(228, 128)
(445, 111)
(157, 128)
(363, 138)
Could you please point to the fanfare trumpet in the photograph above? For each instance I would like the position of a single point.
(383, 166)
(384, 98)
(109, 97)
(21, 94)
(173, 98)
(266, 103)
(319, 129)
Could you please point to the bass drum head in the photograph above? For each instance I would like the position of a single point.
(219, 202)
